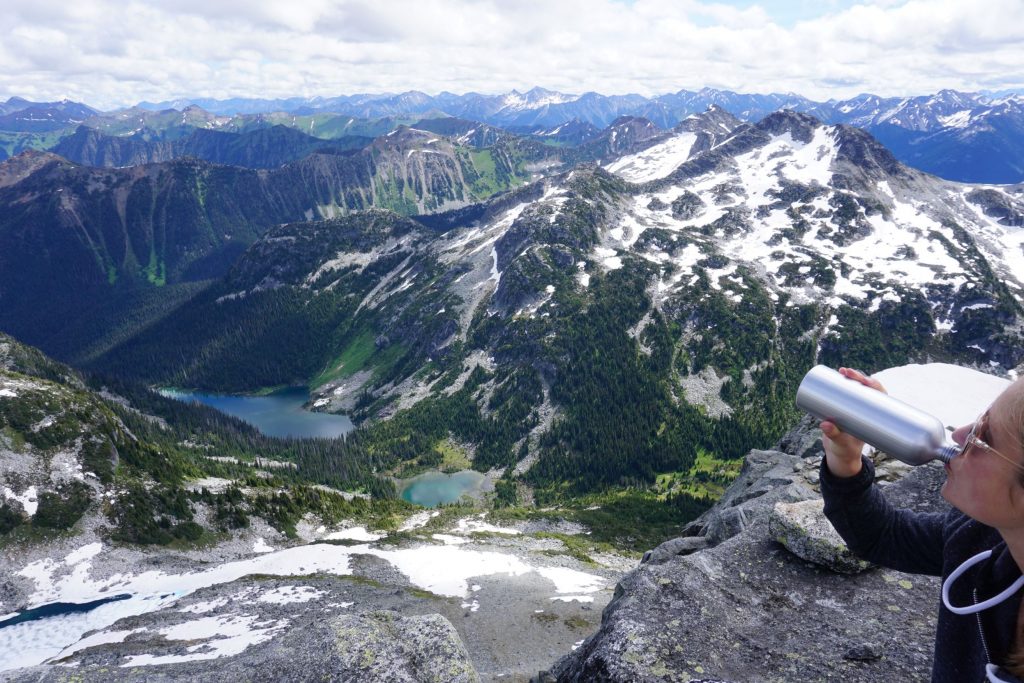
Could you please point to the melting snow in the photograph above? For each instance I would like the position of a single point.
(226, 636)
(445, 570)
(99, 639)
(356, 533)
(28, 499)
(261, 546)
(960, 119)
(289, 594)
(495, 273)
(417, 520)
(448, 539)
(470, 525)
(962, 395)
(608, 258)
(654, 162)
(571, 581)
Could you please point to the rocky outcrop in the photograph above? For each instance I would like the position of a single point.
(805, 531)
(371, 646)
(730, 602)
(767, 478)
(383, 646)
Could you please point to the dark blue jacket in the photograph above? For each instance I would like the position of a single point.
(934, 544)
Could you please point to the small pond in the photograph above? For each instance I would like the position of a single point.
(278, 414)
(431, 489)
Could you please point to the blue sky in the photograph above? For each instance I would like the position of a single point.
(164, 49)
(789, 12)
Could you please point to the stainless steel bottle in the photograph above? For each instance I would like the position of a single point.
(888, 424)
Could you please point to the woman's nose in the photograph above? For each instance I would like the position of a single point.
(960, 434)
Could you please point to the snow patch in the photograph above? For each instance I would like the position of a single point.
(29, 498)
(960, 119)
(418, 520)
(571, 581)
(471, 525)
(289, 594)
(226, 636)
(261, 546)
(356, 533)
(963, 394)
(654, 162)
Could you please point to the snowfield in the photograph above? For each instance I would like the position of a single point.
(654, 162)
(445, 569)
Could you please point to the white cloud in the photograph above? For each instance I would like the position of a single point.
(111, 53)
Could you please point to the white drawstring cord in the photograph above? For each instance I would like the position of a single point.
(991, 602)
(992, 674)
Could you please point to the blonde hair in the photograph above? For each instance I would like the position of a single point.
(1016, 415)
(1015, 658)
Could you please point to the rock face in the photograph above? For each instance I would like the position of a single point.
(803, 529)
(767, 477)
(746, 608)
(259, 628)
(377, 646)
(383, 646)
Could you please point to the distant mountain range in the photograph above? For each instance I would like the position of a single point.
(968, 137)
(257, 148)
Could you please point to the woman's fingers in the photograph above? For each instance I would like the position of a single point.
(864, 379)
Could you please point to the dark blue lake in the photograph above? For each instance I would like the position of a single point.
(278, 414)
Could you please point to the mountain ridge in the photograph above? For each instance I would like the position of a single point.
(183, 221)
(780, 244)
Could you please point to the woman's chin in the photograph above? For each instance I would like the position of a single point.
(945, 492)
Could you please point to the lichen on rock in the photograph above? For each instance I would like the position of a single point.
(805, 531)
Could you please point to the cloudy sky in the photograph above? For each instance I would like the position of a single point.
(112, 53)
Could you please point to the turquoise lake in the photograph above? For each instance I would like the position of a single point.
(435, 488)
(278, 414)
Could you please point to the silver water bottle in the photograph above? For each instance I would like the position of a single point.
(887, 423)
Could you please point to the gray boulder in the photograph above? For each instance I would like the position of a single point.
(767, 477)
(384, 646)
(804, 440)
(673, 547)
(805, 531)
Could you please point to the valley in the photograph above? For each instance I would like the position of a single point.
(568, 347)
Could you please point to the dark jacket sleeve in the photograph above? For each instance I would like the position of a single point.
(878, 532)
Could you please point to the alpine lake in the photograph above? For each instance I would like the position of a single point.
(283, 414)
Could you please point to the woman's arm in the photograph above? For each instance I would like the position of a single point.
(872, 528)
(878, 532)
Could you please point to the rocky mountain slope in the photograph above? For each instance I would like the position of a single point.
(73, 453)
(21, 115)
(86, 253)
(677, 312)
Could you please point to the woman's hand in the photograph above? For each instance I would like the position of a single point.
(842, 451)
